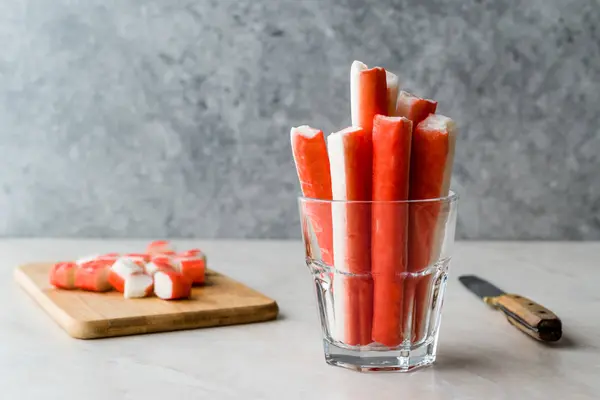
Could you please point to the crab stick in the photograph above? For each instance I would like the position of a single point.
(93, 276)
(391, 162)
(190, 253)
(350, 154)
(120, 270)
(392, 84)
(312, 165)
(157, 264)
(430, 171)
(138, 285)
(368, 94)
(414, 108)
(143, 257)
(192, 268)
(105, 258)
(171, 285)
(159, 247)
(62, 275)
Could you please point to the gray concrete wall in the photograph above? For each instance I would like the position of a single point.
(171, 118)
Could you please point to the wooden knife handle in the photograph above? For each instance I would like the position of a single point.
(528, 316)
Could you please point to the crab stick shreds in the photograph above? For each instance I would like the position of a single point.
(368, 94)
(312, 165)
(432, 156)
(62, 275)
(392, 92)
(350, 154)
(414, 108)
(391, 162)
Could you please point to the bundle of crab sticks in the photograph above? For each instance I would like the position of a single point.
(397, 148)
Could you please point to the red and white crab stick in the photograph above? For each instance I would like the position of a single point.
(138, 285)
(432, 156)
(414, 108)
(312, 165)
(62, 275)
(368, 94)
(93, 276)
(171, 285)
(350, 155)
(392, 83)
(389, 258)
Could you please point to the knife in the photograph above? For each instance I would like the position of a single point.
(528, 316)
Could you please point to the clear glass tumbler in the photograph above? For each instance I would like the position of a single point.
(380, 271)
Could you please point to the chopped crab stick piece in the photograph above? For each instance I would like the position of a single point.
(87, 259)
(171, 285)
(105, 259)
(156, 265)
(350, 154)
(159, 247)
(392, 92)
(414, 108)
(143, 257)
(368, 94)
(93, 276)
(312, 165)
(138, 285)
(432, 156)
(391, 162)
(120, 270)
(190, 253)
(192, 268)
(62, 275)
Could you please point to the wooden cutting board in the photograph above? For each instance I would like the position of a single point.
(86, 315)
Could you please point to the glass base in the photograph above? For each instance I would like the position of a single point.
(367, 360)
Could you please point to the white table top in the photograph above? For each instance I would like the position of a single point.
(480, 353)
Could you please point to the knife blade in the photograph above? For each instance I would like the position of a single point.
(528, 316)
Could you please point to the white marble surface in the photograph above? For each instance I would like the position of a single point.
(480, 353)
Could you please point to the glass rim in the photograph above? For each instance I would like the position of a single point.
(451, 198)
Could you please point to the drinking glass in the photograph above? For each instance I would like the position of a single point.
(380, 270)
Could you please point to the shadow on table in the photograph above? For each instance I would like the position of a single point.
(567, 341)
(465, 361)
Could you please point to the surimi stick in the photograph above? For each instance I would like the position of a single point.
(142, 257)
(392, 92)
(312, 164)
(120, 270)
(160, 247)
(138, 285)
(62, 275)
(192, 267)
(391, 162)
(414, 108)
(171, 285)
(368, 94)
(430, 171)
(350, 154)
(93, 276)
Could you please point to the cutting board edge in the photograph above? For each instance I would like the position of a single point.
(87, 330)
(57, 314)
